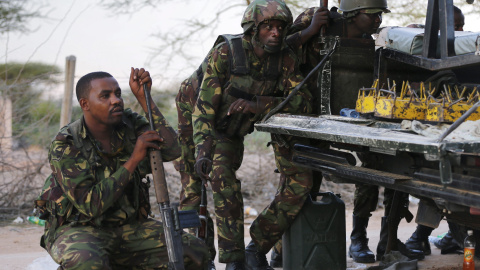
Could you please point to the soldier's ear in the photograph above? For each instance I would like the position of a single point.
(84, 104)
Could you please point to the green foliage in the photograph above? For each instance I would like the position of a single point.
(15, 14)
(34, 119)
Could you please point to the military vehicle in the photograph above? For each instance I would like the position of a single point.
(381, 85)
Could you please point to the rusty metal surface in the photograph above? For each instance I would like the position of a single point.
(364, 132)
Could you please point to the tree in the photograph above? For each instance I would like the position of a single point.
(15, 14)
(23, 85)
(175, 44)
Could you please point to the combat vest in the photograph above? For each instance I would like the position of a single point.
(241, 84)
(57, 210)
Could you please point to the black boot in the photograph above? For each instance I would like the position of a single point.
(447, 244)
(276, 260)
(419, 239)
(255, 260)
(359, 250)
(235, 266)
(211, 265)
(382, 242)
(412, 254)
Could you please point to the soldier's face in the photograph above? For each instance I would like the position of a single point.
(368, 23)
(104, 103)
(270, 33)
(459, 21)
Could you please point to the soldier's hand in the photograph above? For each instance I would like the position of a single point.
(149, 139)
(138, 77)
(320, 18)
(203, 167)
(242, 106)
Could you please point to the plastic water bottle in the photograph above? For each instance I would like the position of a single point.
(349, 113)
(469, 251)
(36, 220)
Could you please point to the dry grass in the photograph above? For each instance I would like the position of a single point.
(22, 175)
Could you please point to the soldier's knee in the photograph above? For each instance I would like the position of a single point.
(85, 260)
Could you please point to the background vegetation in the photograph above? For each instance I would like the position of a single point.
(36, 119)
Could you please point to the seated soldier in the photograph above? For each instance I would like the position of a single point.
(96, 199)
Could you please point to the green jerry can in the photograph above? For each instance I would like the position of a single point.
(316, 240)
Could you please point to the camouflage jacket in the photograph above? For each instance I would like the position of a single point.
(90, 186)
(210, 111)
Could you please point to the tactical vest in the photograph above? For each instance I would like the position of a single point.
(57, 210)
(241, 84)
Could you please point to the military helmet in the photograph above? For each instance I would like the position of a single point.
(261, 10)
(353, 5)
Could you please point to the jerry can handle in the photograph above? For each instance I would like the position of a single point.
(327, 197)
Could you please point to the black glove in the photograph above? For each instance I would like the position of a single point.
(203, 167)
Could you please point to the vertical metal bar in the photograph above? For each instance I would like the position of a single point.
(430, 38)
(447, 33)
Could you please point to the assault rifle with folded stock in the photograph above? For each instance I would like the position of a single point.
(173, 220)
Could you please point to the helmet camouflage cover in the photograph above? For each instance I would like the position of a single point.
(261, 10)
(353, 5)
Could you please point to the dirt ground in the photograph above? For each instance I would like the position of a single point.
(19, 246)
(19, 243)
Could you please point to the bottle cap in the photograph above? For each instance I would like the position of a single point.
(470, 232)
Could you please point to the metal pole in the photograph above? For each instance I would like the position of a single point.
(66, 114)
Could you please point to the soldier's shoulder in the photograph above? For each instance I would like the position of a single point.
(62, 144)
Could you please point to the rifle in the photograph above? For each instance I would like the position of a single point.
(202, 232)
(323, 3)
(173, 223)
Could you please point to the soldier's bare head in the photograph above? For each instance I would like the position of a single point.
(459, 19)
(85, 83)
(100, 98)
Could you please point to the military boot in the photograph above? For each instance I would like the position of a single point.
(235, 266)
(447, 244)
(254, 259)
(419, 239)
(359, 250)
(412, 254)
(276, 260)
(210, 265)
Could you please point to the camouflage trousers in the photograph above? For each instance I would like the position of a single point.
(190, 195)
(227, 198)
(293, 189)
(131, 246)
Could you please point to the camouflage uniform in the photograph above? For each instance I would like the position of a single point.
(219, 137)
(96, 211)
(293, 189)
(190, 195)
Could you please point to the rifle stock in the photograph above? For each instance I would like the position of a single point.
(171, 226)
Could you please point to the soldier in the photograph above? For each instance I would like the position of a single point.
(359, 19)
(246, 76)
(420, 238)
(96, 200)
(190, 194)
